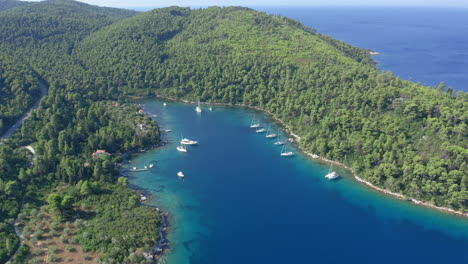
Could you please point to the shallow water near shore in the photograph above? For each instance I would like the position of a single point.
(241, 202)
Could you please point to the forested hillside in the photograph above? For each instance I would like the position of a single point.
(19, 89)
(397, 134)
(71, 123)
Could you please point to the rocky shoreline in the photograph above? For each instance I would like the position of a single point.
(315, 156)
(158, 251)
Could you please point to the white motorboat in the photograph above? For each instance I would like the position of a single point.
(181, 148)
(180, 174)
(273, 135)
(261, 130)
(151, 165)
(164, 104)
(186, 141)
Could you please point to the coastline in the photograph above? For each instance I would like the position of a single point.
(162, 246)
(297, 139)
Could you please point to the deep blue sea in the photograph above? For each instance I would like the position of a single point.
(429, 45)
(241, 202)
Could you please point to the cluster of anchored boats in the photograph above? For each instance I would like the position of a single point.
(331, 175)
(269, 134)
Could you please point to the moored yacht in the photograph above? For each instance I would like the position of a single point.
(331, 175)
(270, 135)
(180, 174)
(286, 153)
(186, 141)
(261, 130)
(198, 108)
(279, 142)
(253, 124)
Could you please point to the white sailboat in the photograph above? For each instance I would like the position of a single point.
(270, 135)
(286, 154)
(198, 108)
(279, 142)
(180, 174)
(261, 130)
(331, 175)
(253, 124)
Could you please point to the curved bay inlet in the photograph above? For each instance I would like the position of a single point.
(241, 202)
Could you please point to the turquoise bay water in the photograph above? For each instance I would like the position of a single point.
(241, 202)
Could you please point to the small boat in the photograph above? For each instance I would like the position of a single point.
(261, 130)
(181, 148)
(151, 165)
(198, 108)
(331, 175)
(164, 104)
(146, 167)
(269, 135)
(180, 174)
(279, 142)
(186, 141)
(253, 124)
(211, 109)
(166, 130)
(286, 154)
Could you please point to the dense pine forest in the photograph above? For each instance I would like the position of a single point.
(397, 134)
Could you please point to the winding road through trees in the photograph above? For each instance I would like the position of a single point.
(8, 133)
(19, 122)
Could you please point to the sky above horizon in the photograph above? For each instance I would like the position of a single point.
(198, 3)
